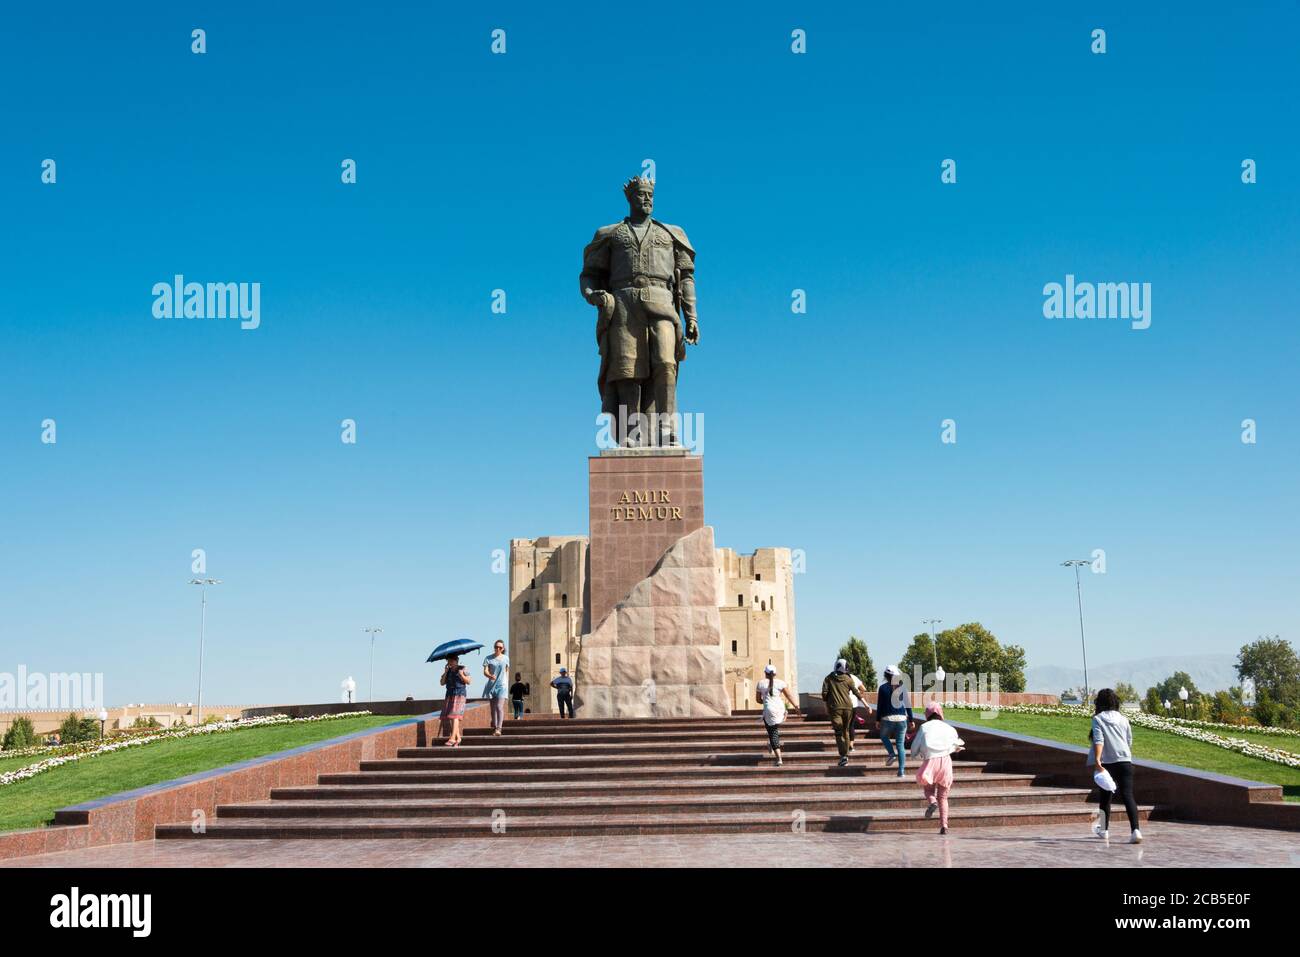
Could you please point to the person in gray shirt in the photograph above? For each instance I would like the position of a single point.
(1111, 737)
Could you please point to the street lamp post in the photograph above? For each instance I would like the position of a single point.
(934, 646)
(103, 719)
(1078, 590)
(349, 686)
(372, 632)
(203, 584)
(1182, 693)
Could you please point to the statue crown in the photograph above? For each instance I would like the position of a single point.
(632, 185)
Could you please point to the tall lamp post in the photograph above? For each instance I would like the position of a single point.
(1182, 693)
(1078, 590)
(103, 719)
(203, 584)
(934, 646)
(372, 632)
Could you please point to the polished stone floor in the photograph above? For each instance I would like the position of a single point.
(1168, 844)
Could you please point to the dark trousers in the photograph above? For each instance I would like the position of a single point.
(566, 701)
(842, 724)
(1122, 772)
(773, 735)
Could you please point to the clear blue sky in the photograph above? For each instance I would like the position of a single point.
(478, 172)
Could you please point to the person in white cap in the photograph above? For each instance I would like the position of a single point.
(894, 716)
(859, 703)
(773, 695)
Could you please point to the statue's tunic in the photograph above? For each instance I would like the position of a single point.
(642, 331)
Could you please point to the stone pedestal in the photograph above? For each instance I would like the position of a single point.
(642, 501)
(658, 653)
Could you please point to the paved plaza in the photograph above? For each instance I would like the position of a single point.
(1168, 844)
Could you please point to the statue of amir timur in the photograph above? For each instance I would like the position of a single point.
(640, 274)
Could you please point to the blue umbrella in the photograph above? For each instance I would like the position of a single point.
(457, 646)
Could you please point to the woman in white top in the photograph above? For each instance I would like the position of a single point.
(935, 743)
(773, 695)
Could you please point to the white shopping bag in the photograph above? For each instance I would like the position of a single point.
(1105, 781)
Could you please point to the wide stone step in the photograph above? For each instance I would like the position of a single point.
(664, 775)
(839, 799)
(756, 736)
(754, 821)
(758, 788)
(492, 758)
(644, 725)
(708, 745)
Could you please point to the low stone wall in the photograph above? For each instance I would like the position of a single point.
(132, 815)
(1181, 793)
(413, 708)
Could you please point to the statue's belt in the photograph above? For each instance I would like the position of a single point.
(640, 282)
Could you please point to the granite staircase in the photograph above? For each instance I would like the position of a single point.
(548, 777)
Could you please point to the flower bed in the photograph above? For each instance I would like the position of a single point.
(1194, 730)
(66, 754)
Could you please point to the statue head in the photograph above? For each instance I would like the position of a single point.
(640, 193)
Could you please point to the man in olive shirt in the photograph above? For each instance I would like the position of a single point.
(837, 692)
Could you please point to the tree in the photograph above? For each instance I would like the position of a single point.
(21, 734)
(1224, 708)
(1125, 692)
(1266, 710)
(1274, 667)
(76, 728)
(920, 653)
(1152, 703)
(1168, 691)
(973, 649)
(855, 653)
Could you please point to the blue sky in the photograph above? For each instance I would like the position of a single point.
(478, 172)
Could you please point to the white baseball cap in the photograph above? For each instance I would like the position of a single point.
(769, 670)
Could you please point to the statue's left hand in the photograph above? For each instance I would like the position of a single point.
(692, 332)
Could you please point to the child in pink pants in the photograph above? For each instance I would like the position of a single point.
(935, 743)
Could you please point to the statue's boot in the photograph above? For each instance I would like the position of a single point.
(665, 404)
(629, 413)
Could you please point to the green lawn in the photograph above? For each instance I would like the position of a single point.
(1154, 746)
(33, 802)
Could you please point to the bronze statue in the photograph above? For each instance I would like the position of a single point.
(640, 274)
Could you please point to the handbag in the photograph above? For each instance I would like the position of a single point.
(1104, 781)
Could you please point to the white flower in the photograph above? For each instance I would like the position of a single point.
(77, 752)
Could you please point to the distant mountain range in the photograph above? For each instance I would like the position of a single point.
(1210, 672)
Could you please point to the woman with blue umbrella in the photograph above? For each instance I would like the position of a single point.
(456, 680)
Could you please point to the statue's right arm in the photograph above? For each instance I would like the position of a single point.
(595, 268)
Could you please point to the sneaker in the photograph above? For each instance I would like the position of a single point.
(844, 762)
(890, 761)
(778, 761)
(1136, 838)
(931, 810)
(1100, 831)
(943, 830)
